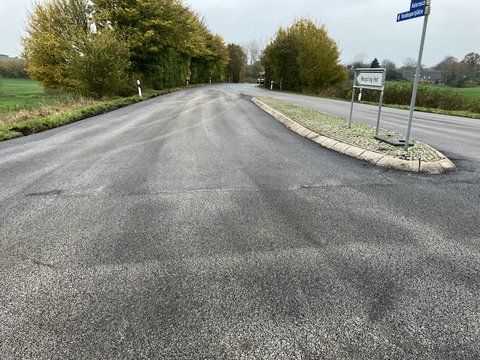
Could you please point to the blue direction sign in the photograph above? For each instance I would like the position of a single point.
(418, 8)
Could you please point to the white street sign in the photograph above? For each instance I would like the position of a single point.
(371, 79)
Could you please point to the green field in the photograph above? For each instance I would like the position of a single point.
(16, 94)
(470, 93)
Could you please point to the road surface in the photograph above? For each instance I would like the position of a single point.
(195, 226)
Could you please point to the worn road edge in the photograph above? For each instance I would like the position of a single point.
(379, 159)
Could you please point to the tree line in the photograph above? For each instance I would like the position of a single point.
(455, 73)
(100, 47)
(463, 73)
(13, 68)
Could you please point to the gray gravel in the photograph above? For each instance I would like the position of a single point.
(194, 226)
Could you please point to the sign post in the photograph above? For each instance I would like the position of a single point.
(418, 8)
(373, 79)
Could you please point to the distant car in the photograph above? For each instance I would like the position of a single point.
(261, 80)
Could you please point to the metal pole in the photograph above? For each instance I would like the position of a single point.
(379, 113)
(351, 109)
(415, 84)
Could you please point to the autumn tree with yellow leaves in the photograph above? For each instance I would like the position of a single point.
(303, 58)
(98, 47)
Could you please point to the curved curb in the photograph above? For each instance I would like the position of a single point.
(431, 167)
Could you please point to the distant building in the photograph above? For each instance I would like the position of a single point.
(426, 76)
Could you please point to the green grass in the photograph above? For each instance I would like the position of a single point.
(21, 87)
(38, 124)
(24, 94)
(472, 94)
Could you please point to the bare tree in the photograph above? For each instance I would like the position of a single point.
(360, 61)
(409, 63)
(389, 65)
(448, 67)
(253, 49)
(392, 72)
(472, 60)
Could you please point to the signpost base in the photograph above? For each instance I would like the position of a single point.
(392, 141)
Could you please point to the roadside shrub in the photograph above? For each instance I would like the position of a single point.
(339, 91)
(12, 68)
(400, 93)
(102, 67)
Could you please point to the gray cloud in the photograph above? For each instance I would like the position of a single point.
(367, 26)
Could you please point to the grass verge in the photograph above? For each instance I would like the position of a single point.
(470, 95)
(20, 123)
(361, 135)
(25, 94)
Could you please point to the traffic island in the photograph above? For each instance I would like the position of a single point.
(359, 141)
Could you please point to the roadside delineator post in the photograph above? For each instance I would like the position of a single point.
(139, 88)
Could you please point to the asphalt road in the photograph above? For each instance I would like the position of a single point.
(194, 226)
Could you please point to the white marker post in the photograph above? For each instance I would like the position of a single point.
(139, 88)
(418, 8)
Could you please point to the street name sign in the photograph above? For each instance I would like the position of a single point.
(370, 78)
(418, 8)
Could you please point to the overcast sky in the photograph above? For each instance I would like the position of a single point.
(359, 26)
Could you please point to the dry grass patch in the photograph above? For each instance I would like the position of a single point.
(41, 111)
